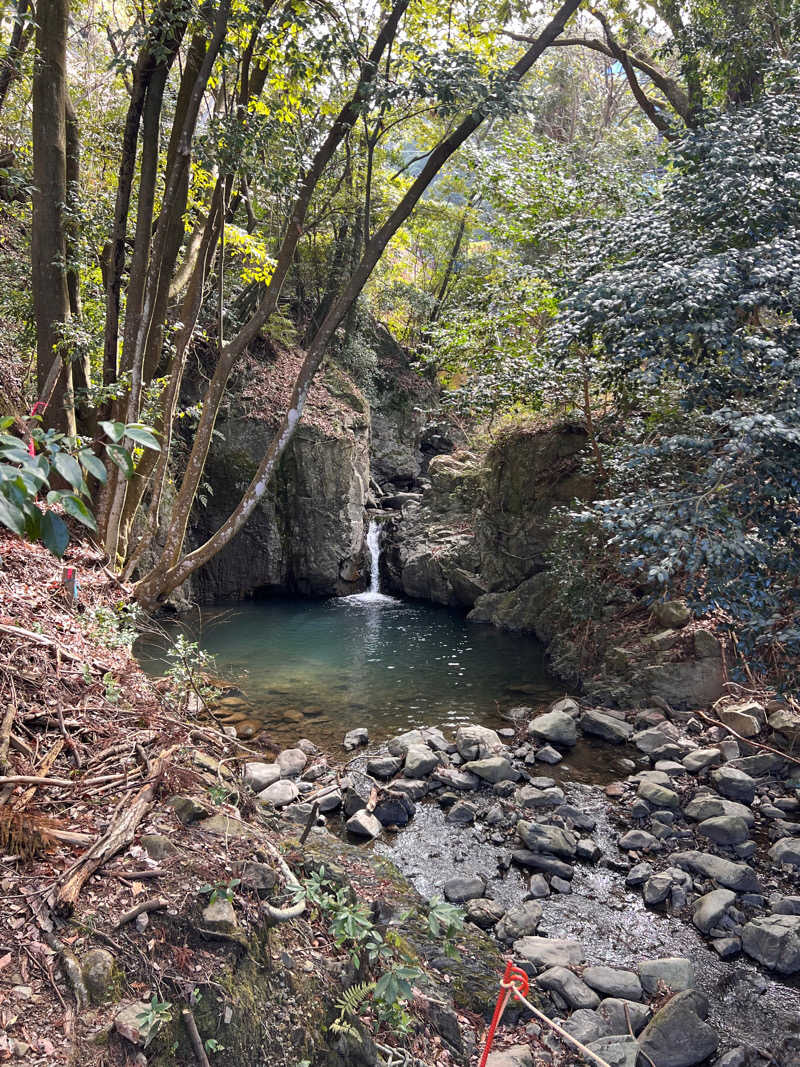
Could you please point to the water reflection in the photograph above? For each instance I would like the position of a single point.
(321, 668)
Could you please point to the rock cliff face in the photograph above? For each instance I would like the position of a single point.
(307, 534)
(482, 524)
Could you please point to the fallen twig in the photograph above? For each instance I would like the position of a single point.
(748, 740)
(154, 904)
(194, 1037)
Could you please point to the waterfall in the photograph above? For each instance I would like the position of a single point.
(374, 549)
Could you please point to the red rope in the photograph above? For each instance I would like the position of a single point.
(514, 980)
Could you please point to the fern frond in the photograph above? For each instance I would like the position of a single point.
(353, 998)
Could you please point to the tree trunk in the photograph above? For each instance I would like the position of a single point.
(162, 580)
(21, 34)
(48, 239)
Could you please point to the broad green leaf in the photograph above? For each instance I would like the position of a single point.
(55, 534)
(74, 506)
(69, 469)
(122, 458)
(114, 430)
(11, 516)
(92, 465)
(143, 437)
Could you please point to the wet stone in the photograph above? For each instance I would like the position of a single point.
(657, 889)
(675, 973)
(548, 754)
(540, 838)
(462, 813)
(618, 1012)
(586, 1025)
(677, 1035)
(658, 796)
(460, 889)
(734, 784)
(543, 862)
(709, 910)
(363, 824)
(638, 875)
(419, 761)
(531, 797)
(554, 727)
(573, 992)
(483, 912)
(610, 982)
(394, 809)
(477, 742)
(538, 887)
(727, 947)
(606, 727)
(492, 769)
(560, 885)
(384, 767)
(519, 921)
(638, 840)
(413, 788)
(774, 940)
(355, 738)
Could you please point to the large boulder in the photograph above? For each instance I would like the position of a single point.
(738, 876)
(556, 727)
(677, 1035)
(477, 742)
(553, 839)
(774, 940)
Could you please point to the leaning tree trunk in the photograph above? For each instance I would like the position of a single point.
(48, 238)
(162, 580)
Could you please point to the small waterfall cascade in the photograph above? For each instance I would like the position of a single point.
(374, 548)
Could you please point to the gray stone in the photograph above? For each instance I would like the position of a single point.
(364, 824)
(650, 740)
(97, 968)
(261, 775)
(555, 727)
(157, 846)
(574, 992)
(761, 764)
(734, 784)
(663, 641)
(384, 767)
(560, 885)
(420, 761)
(611, 982)
(746, 719)
(709, 910)
(414, 788)
(786, 851)
(492, 769)
(697, 761)
(588, 850)
(520, 921)
(657, 889)
(605, 726)
(785, 906)
(279, 794)
(706, 644)
(677, 1036)
(355, 738)
(637, 840)
(671, 614)
(726, 873)
(658, 796)
(394, 809)
(548, 754)
(292, 762)
(227, 826)
(462, 813)
(398, 746)
(724, 830)
(477, 742)
(254, 875)
(330, 801)
(531, 797)
(638, 875)
(787, 724)
(541, 861)
(567, 705)
(462, 888)
(219, 916)
(586, 1025)
(674, 973)
(483, 912)
(617, 1051)
(727, 947)
(538, 887)
(670, 768)
(549, 951)
(455, 778)
(129, 1022)
(707, 806)
(774, 940)
(514, 1056)
(619, 1013)
(187, 809)
(540, 838)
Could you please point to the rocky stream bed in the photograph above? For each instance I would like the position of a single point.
(641, 867)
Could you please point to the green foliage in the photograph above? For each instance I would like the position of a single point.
(189, 665)
(220, 890)
(115, 627)
(445, 920)
(24, 477)
(694, 306)
(157, 1015)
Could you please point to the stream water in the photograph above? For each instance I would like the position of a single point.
(320, 668)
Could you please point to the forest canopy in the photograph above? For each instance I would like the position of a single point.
(587, 211)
